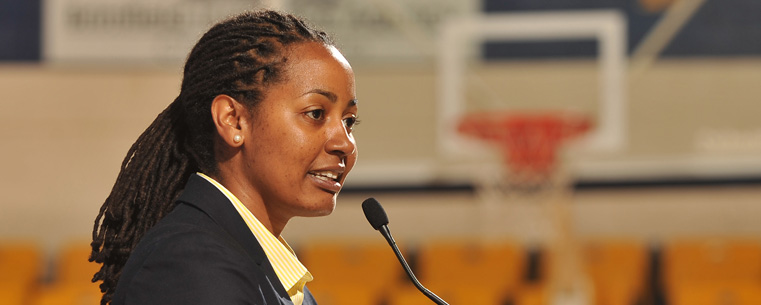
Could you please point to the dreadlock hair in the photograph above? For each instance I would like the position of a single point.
(239, 57)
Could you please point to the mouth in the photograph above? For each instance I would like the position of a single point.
(327, 180)
(326, 175)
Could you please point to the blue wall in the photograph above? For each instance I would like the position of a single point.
(719, 28)
(20, 29)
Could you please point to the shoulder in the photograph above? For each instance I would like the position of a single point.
(192, 262)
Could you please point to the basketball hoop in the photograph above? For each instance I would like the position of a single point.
(529, 141)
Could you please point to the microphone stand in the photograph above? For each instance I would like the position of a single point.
(387, 234)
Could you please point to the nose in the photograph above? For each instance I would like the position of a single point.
(340, 141)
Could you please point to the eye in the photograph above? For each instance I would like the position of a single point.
(317, 114)
(350, 122)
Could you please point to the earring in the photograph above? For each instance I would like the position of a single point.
(237, 138)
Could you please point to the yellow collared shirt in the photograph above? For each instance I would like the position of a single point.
(292, 274)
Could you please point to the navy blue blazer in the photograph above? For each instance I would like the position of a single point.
(201, 253)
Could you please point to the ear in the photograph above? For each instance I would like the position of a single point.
(227, 114)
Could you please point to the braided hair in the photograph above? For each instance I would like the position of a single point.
(239, 57)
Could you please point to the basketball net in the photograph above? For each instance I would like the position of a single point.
(530, 145)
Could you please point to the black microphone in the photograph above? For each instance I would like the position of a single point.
(377, 217)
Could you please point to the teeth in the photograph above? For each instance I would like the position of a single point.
(325, 174)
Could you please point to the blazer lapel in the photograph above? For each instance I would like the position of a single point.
(206, 197)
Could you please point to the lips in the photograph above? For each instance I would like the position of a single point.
(328, 180)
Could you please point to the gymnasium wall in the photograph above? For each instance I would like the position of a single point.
(66, 130)
(66, 123)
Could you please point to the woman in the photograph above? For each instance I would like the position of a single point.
(261, 132)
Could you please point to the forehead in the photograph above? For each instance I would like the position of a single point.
(316, 55)
(314, 65)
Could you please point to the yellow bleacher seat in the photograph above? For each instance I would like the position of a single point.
(490, 269)
(344, 294)
(20, 262)
(722, 270)
(713, 293)
(21, 266)
(13, 294)
(531, 295)
(409, 295)
(72, 281)
(711, 260)
(73, 265)
(67, 294)
(370, 267)
(618, 270)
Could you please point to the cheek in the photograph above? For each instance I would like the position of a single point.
(281, 135)
(294, 147)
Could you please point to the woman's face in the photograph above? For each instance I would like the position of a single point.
(300, 147)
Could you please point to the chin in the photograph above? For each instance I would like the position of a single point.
(320, 209)
(318, 213)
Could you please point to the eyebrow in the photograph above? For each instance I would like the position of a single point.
(332, 96)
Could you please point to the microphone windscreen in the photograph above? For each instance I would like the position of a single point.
(374, 213)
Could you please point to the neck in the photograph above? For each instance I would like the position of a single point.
(252, 201)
